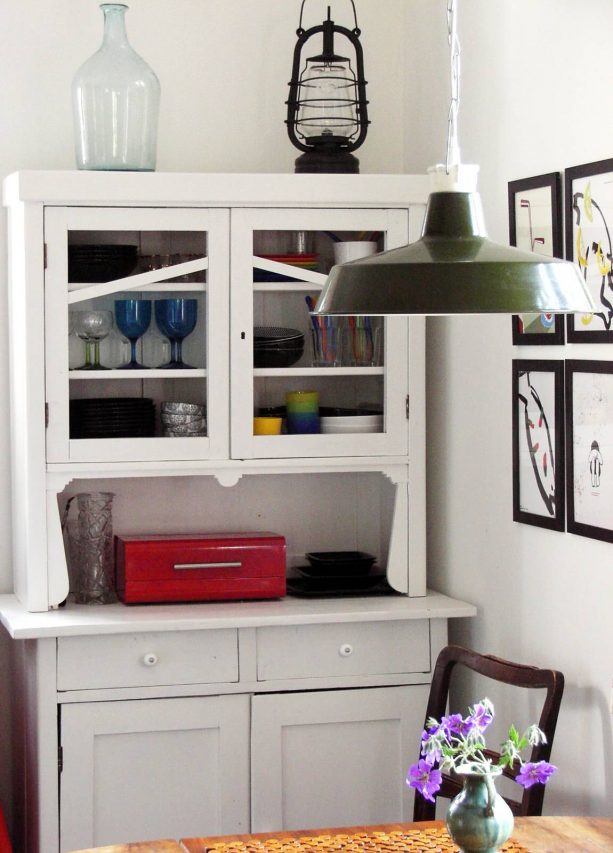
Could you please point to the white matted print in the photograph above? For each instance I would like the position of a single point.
(538, 447)
(589, 388)
(589, 243)
(535, 225)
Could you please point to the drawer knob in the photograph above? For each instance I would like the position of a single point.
(150, 658)
(345, 650)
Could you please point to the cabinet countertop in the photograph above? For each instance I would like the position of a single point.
(77, 620)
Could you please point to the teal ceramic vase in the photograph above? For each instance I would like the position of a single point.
(115, 97)
(478, 818)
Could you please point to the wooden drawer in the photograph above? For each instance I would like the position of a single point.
(348, 648)
(143, 660)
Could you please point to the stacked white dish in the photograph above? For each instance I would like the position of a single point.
(351, 423)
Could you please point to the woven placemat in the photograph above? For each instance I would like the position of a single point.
(431, 840)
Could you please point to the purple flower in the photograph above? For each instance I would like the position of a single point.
(453, 724)
(533, 773)
(481, 716)
(425, 779)
(430, 745)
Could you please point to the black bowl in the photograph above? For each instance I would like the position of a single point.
(337, 412)
(267, 336)
(338, 563)
(271, 411)
(277, 357)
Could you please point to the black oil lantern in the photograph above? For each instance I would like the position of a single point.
(327, 116)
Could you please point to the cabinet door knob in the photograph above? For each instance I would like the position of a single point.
(150, 658)
(345, 650)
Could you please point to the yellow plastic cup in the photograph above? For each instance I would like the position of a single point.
(267, 425)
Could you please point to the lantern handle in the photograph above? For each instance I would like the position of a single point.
(356, 29)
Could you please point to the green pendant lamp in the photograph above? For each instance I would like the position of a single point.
(453, 268)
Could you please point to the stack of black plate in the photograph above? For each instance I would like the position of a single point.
(97, 263)
(112, 417)
(338, 573)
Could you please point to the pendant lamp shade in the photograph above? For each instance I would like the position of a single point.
(454, 269)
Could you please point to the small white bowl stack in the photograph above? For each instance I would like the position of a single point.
(352, 423)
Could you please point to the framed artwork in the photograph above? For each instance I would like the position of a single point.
(538, 442)
(589, 448)
(588, 200)
(535, 225)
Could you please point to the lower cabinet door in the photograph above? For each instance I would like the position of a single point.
(153, 768)
(334, 758)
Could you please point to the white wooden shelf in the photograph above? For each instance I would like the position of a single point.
(286, 286)
(146, 373)
(79, 619)
(158, 287)
(318, 371)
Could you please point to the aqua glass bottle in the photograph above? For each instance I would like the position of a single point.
(116, 98)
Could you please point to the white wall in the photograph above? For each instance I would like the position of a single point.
(536, 97)
(224, 69)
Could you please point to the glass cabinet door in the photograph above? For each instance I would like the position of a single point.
(136, 304)
(332, 386)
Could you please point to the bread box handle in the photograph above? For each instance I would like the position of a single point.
(235, 565)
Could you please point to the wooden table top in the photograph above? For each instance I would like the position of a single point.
(530, 835)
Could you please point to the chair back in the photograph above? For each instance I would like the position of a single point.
(506, 672)
(5, 841)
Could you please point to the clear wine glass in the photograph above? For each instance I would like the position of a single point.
(176, 318)
(92, 327)
(133, 317)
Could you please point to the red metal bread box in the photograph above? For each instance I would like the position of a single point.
(199, 567)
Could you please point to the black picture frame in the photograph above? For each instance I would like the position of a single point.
(538, 442)
(588, 209)
(589, 448)
(543, 194)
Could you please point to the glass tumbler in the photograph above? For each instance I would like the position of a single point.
(302, 409)
(91, 548)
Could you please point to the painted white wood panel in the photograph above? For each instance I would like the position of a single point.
(312, 651)
(334, 758)
(132, 660)
(214, 189)
(84, 620)
(158, 768)
(27, 404)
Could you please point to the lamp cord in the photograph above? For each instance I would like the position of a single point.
(453, 149)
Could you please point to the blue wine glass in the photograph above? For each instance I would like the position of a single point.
(176, 318)
(132, 317)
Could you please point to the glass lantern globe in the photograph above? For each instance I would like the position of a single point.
(329, 105)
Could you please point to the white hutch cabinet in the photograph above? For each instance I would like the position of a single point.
(167, 720)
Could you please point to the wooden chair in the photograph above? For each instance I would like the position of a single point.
(5, 841)
(506, 672)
